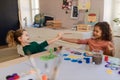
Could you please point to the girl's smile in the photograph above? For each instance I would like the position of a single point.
(97, 33)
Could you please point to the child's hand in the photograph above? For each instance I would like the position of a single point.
(110, 46)
(60, 35)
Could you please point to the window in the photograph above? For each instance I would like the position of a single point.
(116, 14)
(112, 11)
(28, 9)
(116, 8)
(34, 8)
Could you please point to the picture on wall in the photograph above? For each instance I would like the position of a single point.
(91, 18)
(67, 4)
(83, 4)
(74, 12)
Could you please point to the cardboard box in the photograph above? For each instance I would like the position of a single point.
(83, 27)
(54, 24)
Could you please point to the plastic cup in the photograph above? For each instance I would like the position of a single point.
(97, 56)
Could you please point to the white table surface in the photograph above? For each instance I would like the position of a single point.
(67, 70)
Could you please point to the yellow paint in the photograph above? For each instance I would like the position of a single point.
(108, 71)
(73, 56)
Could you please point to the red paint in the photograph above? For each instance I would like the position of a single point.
(106, 58)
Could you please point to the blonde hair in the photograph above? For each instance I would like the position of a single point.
(12, 37)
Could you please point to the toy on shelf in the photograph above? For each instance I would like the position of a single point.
(83, 27)
(54, 24)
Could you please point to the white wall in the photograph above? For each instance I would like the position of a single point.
(54, 8)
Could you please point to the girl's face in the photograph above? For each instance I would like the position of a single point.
(97, 33)
(25, 37)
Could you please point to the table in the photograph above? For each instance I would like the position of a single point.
(66, 70)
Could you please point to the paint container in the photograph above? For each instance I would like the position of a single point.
(106, 58)
(119, 72)
(97, 58)
(87, 60)
(79, 61)
(74, 60)
(67, 59)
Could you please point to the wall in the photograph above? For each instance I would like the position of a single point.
(53, 8)
(9, 19)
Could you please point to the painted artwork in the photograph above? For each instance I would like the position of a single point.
(74, 12)
(91, 18)
(67, 4)
(83, 4)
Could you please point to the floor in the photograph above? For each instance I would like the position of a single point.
(8, 53)
(4, 46)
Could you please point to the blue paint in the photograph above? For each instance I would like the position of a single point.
(84, 54)
(65, 54)
(67, 59)
(74, 60)
(80, 61)
(107, 65)
(87, 60)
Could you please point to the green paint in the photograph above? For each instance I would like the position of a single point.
(48, 57)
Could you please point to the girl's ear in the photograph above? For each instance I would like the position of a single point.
(19, 39)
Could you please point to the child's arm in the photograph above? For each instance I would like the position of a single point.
(110, 49)
(55, 39)
(70, 40)
(110, 46)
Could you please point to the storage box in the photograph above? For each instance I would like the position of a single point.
(54, 24)
(83, 27)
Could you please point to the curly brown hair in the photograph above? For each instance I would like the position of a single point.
(106, 30)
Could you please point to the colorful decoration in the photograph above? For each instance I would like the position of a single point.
(83, 4)
(91, 17)
(67, 4)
